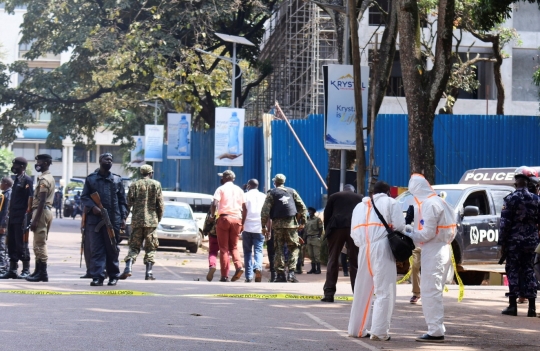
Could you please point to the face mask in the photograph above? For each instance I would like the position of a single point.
(37, 168)
(13, 170)
(107, 166)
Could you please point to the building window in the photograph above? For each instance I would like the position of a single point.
(56, 154)
(114, 150)
(524, 64)
(376, 17)
(28, 151)
(43, 116)
(79, 154)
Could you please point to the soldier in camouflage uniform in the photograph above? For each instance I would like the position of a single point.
(314, 230)
(146, 199)
(286, 209)
(520, 217)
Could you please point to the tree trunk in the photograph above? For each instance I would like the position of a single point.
(423, 88)
(498, 77)
(355, 50)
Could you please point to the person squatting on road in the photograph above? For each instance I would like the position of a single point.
(145, 199)
(314, 231)
(113, 198)
(337, 224)
(252, 237)
(286, 209)
(5, 186)
(518, 237)
(434, 229)
(20, 204)
(42, 217)
(229, 201)
(376, 277)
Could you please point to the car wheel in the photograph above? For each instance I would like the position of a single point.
(201, 238)
(194, 248)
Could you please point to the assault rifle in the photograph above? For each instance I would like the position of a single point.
(105, 215)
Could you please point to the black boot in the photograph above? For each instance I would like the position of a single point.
(35, 269)
(149, 275)
(318, 271)
(272, 277)
(532, 308)
(280, 278)
(12, 272)
(291, 277)
(328, 298)
(127, 271)
(41, 273)
(25, 270)
(313, 268)
(511, 310)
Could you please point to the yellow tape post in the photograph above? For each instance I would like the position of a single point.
(105, 292)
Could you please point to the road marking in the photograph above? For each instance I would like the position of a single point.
(341, 332)
(168, 270)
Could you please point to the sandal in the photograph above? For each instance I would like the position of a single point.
(414, 299)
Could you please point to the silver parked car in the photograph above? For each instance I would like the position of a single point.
(178, 227)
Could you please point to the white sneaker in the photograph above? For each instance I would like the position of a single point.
(376, 338)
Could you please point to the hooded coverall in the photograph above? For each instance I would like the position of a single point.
(434, 229)
(376, 267)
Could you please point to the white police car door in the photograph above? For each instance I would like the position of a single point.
(480, 233)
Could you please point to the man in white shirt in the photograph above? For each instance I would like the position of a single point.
(229, 201)
(252, 237)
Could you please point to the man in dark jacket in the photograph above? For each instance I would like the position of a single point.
(5, 197)
(337, 225)
(21, 199)
(113, 198)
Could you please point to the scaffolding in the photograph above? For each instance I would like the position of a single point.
(300, 38)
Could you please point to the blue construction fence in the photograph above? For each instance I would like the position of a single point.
(200, 175)
(462, 142)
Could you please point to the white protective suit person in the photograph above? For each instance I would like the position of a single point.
(434, 229)
(376, 265)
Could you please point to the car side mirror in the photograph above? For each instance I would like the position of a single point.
(470, 211)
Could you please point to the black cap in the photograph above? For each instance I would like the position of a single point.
(44, 157)
(20, 161)
(312, 209)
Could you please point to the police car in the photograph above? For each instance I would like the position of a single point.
(477, 200)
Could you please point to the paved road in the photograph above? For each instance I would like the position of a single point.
(182, 312)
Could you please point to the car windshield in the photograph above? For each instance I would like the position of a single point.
(451, 196)
(179, 212)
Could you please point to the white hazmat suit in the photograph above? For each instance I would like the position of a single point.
(434, 229)
(376, 267)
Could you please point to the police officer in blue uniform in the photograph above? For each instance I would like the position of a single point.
(520, 217)
(113, 198)
(21, 199)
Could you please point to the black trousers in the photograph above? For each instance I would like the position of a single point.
(17, 250)
(104, 255)
(336, 240)
(88, 254)
(271, 251)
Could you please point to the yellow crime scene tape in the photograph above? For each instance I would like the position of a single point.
(458, 278)
(278, 296)
(106, 292)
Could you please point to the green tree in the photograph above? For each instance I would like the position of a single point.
(123, 52)
(6, 156)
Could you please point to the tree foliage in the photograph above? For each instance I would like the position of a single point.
(125, 51)
(6, 156)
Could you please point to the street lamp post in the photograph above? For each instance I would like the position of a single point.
(235, 40)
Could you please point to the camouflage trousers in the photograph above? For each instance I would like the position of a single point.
(151, 243)
(520, 272)
(289, 237)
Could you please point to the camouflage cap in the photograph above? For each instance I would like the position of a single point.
(279, 178)
(146, 169)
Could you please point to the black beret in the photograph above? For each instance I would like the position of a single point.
(20, 161)
(44, 157)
